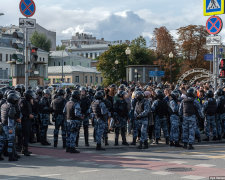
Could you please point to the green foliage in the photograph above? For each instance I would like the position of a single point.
(41, 41)
(60, 48)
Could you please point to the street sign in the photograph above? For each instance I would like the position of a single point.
(27, 23)
(208, 57)
(214, 25)
(213, 7)
(27, 7)
(213, 40)
(156, 73)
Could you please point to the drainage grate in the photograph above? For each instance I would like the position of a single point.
(181, 169)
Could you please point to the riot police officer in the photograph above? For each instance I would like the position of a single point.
(160, 108)
(209, 109)
(100, 111)
(141, 115)
(121, 116)
(25, 106)
(188, 109)
(58, 117)
(73, 117)
(45, 110)
(9, 117)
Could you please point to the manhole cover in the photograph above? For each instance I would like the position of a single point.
(179, 169)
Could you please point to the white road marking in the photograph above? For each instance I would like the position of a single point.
(43, 157)
(153, 159)
(50, 175)
(10, 178)
(200, 155)
(108, 166)
(163, 173)
(65, 160)
(193, 177)
(205, 165)
(89, 171)
(177, 162)
(133, 169)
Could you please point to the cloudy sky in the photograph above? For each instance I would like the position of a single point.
(113, 20)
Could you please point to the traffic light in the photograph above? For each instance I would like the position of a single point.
(17, 43)
(222, 68)
(33, 56)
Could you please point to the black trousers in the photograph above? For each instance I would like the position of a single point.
(26, 128)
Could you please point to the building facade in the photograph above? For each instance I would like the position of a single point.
(74, 74)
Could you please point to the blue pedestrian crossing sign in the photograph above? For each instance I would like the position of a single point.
(213, 7)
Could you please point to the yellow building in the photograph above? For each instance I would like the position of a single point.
(74, 74)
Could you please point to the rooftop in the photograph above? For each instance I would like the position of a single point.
(70, 69)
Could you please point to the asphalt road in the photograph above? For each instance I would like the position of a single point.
(128, 163)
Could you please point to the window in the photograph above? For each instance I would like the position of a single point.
(91, 79)
(101, 79)
(72, 63)
(40, 58)
(54, 63)
(64, 63)
(0, 57)
(6, 58)
(43, 59)
(59, 63)
(68, 80)
(53, 81)
(86, 79)
(91, 55)
(86, 55)
(10, 57)
(96, 79)
(77, 79)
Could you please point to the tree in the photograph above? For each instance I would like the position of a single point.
(40, 41)
(106, 64)
(192, 46)
(60, 48)
(165, 45)
(140, 54)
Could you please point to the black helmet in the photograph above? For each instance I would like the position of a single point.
(13, 98)
(191, 92)
(99, 95)
(47, 91)
(91, 92)
(68, 91)
(29, 94)
(39, 91)
(99, 88)
(159, 94)
(219, 92)
(22, 87)
(139, 95)
(121, 94)
(77, 87)
(175, 95)
(112, 86)
(160, 86)
(12, 91)
(209, 94)
(76, 94)
(1, 94)
(60, 92)
(82, 88)
(18, 88)
(122, 87)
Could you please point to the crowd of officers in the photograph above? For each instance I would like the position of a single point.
(181, 112)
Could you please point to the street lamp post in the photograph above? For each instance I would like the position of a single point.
(136, 71)
(62, 66)
(116, 63)
(171, 57)
(128, 52)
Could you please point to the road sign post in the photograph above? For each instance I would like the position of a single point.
(27, 8)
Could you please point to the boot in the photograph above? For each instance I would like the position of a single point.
(190, 147)
(214, 138)
(145, 145)
(167, 141)
(199, 139)
(224, 136)
(12, 157)
(67, 149)
(86, 137)
(177, 144)
(99, 147)
(140, 146)
(64, 144)
(219, 137)
(116, 142)
(125, 143)
(134, 142)
(106, 142)
(26, 152)
(17, 156)
(157, 141)
(206, 139)
(55, 144)
(171, 143)
(73, 150)
(185, 146)
(1, 158)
